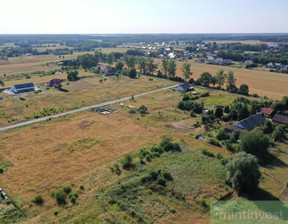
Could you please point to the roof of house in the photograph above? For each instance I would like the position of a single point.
(250, 122)
(267, 111)
(185, 85)
(24, 85)
(280, 118)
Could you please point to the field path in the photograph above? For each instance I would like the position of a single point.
(81, 109)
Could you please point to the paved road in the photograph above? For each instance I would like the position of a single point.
(81, 109)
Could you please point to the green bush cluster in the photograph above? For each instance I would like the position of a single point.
(39, 200)
(61, 194)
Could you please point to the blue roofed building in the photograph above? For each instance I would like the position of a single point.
(249, 123)
(21, 88)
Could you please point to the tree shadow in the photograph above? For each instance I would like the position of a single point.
(274, 161)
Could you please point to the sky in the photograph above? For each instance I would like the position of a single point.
(142, 16)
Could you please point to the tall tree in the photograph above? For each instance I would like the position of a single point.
(172, 69)
(231, 82)
(256, 143)
(130, 61)
(110, 58)
(142, 62)
(119, 65)
(244, 89)
(220, 78)
(205, 79)
(151, 67)
(244, 172)
(165, 66)
(186, 70)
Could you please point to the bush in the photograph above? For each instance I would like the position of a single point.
(213, 141)
(142, 109)
(81, 187)
(73, 199)
(67, 189)
(132, 111)
(204, 94)
(167, 175)
(243, 172)
(127, 161)
(203, 203)
(132, 73)
(55, 212)
(161, 181)
(38, 199)
(229, 147)
(60, 197)
(279, 133)
(207, 153)
(221, 134)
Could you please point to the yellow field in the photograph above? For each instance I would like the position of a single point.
(272, 84)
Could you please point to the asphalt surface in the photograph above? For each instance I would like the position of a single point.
(80, 109)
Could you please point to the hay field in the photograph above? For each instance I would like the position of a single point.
(26, 64)
(272, 84)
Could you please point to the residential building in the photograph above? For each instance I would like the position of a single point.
(184, 87)
(20, 88)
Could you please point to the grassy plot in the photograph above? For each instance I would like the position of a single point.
(81, 93)
(132, 198)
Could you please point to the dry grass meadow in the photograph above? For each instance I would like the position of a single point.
(77, 148)
(84, 92)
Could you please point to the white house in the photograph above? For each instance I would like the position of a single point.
(20, 88)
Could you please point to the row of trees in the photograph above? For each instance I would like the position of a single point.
(206, 79)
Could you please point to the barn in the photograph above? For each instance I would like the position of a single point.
(21, 88)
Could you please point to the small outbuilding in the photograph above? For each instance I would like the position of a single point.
(21, 88)
(184, 87)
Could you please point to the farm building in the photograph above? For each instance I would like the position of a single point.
(21, 88)
(280, 119)
(248, 123)
(268, 112)
(184, 87)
